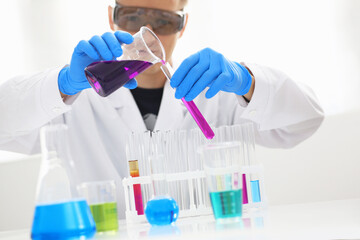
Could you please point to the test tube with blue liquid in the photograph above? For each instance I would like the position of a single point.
(59, 212)
(249, 140)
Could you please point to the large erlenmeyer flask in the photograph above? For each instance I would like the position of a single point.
(107, 76)
(59, 212)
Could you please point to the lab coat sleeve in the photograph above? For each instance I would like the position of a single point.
(26, 104)
(284, 112)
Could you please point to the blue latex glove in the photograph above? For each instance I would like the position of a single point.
(208, 68)
(72, 80)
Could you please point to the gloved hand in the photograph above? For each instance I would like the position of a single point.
(72, 80)
(208, 68)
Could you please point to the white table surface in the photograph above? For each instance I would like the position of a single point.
(322, 220)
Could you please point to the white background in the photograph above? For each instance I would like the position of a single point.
(316, 42)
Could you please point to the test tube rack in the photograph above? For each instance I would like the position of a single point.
(186, 179)
(198, 197)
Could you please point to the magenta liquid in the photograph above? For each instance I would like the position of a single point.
(245, 192)
(107, 76)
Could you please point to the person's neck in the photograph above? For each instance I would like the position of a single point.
(151, 80)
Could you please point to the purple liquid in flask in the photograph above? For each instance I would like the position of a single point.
(107, 76)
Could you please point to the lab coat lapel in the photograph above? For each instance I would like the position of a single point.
(123, 101)
(171, 112)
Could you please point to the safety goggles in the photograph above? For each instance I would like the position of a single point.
(162, 22)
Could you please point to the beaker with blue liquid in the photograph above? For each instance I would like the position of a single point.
(59, 212)
(222, 164)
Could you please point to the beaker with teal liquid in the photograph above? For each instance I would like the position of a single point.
(222, 165)
(59, 212)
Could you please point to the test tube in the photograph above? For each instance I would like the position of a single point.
(238, 136)
(180, 140)
(254, 178)
(176, 166)
(192, 108)
(225, 136)
(222, 134)
(194, 164)
(134, 172)
(161, 209)
(145, 139)
(132, 154)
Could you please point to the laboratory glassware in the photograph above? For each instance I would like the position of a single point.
(249, 142)
(101, 197)
(133, 157)
(222, 164)
(238, 135)
(59, 212)
(193, 109)
(134, 172)
(161, 209)
(107, 76)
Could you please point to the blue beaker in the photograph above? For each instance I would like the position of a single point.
(59, 212)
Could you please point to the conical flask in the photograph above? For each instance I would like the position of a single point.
(59, 212)
(105, 77)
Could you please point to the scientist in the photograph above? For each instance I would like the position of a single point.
(227, 92)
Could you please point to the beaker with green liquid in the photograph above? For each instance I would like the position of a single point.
(101, 197)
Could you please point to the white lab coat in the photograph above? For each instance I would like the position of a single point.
(284, 113)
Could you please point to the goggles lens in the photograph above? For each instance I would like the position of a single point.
(162, 22)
